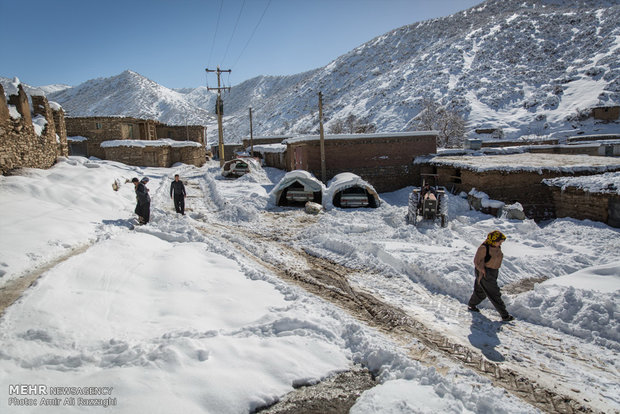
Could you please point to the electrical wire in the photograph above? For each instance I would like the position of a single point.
(233, 32)
(217, 25)
(252, 35)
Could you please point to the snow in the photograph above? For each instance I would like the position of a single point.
(165, 142)
(39, 122)
(269, 148)
(528, 162)
(304, 138)
(607, 183)
(77, 138)
(177, 315)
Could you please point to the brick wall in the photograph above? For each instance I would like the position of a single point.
(20, 145)
(576, 203)
(385, 162)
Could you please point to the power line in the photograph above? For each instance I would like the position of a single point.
(252, 35)
(217, 25)
(233, 32)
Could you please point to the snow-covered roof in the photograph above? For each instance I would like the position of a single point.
(526, 162)
(142, 143)
(309, 181)
(343, 181)
(608, 183)
(272, 148)
(304, 138)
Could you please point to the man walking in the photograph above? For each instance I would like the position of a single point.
(143, 206)
(177, 193)
(487, 262)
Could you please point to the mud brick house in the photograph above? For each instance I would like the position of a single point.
(30, 138)
(92, 132)
(593, 197)
(384, 160)
(514, 177)
(273, 155)
(159, 153)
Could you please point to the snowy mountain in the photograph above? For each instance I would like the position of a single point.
(527, 67)
(130, 94)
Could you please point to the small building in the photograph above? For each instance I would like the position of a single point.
(158, 153)
(296, 188)
(112, 128)
(231, 151)
(273, 155)
(593, 197)
(606, 113)
(350, 190)
(385, 160)
(516, 177)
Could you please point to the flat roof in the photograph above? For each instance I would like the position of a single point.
(303, 138)
(526, 162)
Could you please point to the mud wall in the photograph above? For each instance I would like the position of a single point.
(20, 144)
(386, 162)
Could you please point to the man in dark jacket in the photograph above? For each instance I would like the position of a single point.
(177, 193)
(143, 207)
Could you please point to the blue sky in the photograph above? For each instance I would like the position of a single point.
(173, 41)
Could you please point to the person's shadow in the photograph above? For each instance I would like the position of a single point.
(484, 336)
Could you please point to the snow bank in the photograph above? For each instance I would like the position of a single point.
(165, 142)
(607, 183)
(530, 162)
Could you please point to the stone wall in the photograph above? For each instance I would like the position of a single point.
(385, 162)
(156, 156)
(194, 133)
(576, 203)
(20, 145)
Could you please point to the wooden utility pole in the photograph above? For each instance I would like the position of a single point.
(219, 109)
(251, 135)
(322, 138)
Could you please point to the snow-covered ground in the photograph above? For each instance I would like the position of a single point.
(180, 315)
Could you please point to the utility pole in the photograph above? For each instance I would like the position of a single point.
(251, 135)
(219, 109)
(322, 138)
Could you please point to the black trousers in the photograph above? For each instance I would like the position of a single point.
(179, 203)
(144, 212)
(487, 288)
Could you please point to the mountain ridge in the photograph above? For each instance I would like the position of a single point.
(521, 67)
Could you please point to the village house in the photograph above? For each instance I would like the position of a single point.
(516, 177)
(384, 160)
(183, 143)
(592, 197)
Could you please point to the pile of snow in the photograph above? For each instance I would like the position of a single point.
(164, 142)
(607, 183)
(527, 162)
(173, 316)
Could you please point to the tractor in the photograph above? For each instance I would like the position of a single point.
(428, 202)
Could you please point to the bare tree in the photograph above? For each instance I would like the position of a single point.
(336, 127)
(448, 122)
(352, 125)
